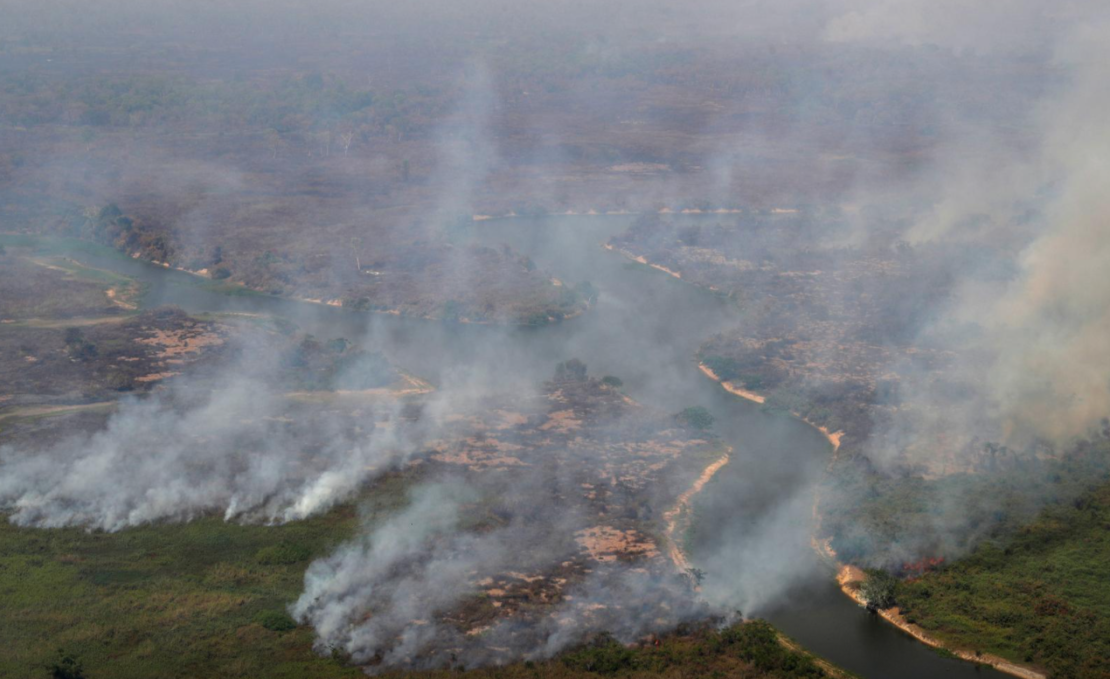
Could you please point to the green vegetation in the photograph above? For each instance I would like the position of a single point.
(726, 652)
(695, 417)
(879, 588)
(611, 381)
(80, 349)
(875, 518)
(1041, 597)
(66, 667)
(206, 598)
(732, 370)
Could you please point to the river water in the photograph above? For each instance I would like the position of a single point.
(645, 329)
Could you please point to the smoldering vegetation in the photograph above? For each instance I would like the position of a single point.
(942, 322)
(231, 438)
(913, 243)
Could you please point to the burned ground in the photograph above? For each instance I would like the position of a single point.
(581, 478)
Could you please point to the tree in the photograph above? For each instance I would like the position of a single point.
(79, 348)
(878, 589)
(66, 667)
(324, 138)
(697, 575)
(346, 138)
(570, 371)
(695, 417)
(587, 291)
(611, 381)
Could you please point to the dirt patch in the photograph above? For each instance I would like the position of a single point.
(607, 544)
(175, 343)
(562, 422)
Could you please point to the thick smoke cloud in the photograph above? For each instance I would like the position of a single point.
(1050, 324)
(175, 458)
(1029, 331)
(1035, 338)
(380, 598)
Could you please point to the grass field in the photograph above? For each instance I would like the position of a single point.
(191, 600)
(1041, 597)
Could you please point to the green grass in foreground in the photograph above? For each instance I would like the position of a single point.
(1042, 597)
(203, 599)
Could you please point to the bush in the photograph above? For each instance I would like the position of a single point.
(725, 368)
(878, 589)
(220, 273)
(66, 667)
(79, 348)
(276, 621)
(695, 417)
(119, 380)
(604, 656)
(614, 382)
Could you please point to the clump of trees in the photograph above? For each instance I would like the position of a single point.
(79, 348)
(713, 651)
(111, 226)
(878, 589)
(573, 370)
(612, 382)
(731, 370)
(695, 417)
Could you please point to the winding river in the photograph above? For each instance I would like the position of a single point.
(645, 329)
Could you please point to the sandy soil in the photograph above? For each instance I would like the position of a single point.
(730, 387)
(173, 344)
(607, 544)
(641, 260)
(679, 516)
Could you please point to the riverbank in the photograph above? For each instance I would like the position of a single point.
(833, 437)
(678, 517)
(641, 260)
(850, 578)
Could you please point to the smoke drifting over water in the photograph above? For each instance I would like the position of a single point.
(1028, 331)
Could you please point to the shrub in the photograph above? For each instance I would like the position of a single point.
(66, 667)
(570, 371)
(276, 621)
(695, 417)
(604, 656)
(878, 589)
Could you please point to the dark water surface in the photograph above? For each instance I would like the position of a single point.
(645, 329)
